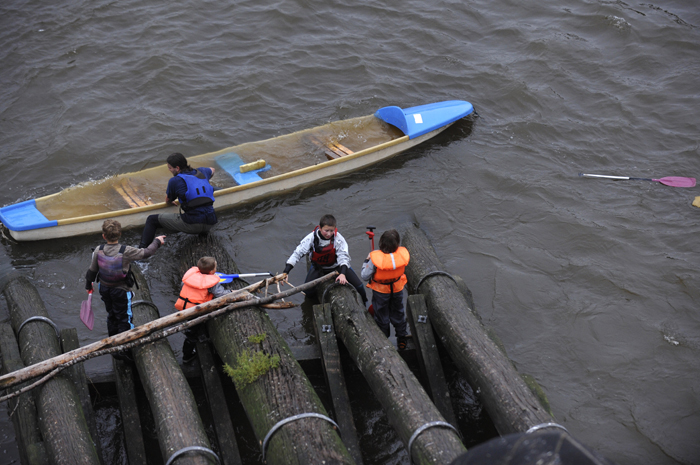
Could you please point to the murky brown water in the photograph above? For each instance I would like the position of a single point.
(591, 284)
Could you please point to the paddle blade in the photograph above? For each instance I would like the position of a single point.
(676, 181)
(86, 314)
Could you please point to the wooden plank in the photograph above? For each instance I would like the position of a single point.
(131, 420)
(223, 426)
(21, 409)
(69, 341)
(428, 357)
(325, 334)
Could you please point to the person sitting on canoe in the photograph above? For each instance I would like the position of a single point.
(190, 187)
(111, 264)
(384, 269)
(329, 252)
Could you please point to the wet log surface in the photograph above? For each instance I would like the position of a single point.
(510, 403)
(281, 392)
(403, 399)
(63, 427)
(169, 395)
(22, 409)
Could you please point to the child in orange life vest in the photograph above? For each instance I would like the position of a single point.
(199, 284)
(384, 269)
(329, 252)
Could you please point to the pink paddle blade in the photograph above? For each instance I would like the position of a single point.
(86, 314)
(676, 181)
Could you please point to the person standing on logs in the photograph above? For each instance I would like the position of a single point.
(110, 265)
(191, 189)
(199, 284)
(329, 252)
(384, 269)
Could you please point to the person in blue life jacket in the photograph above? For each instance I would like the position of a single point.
(190, 188)
(110, 265)
(329, 252)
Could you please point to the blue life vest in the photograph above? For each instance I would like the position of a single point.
(199, 192)
(111, 268)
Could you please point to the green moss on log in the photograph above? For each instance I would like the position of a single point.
(250, 366)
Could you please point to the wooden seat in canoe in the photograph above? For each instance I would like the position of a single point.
(133, 197)
(333, 150)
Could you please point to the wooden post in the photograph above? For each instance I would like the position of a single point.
(64, 429)
(404, 400)
(169, 395)
(223, 427)
(509, 402)
(428, 357)
(330, 356)
(69, 341)
(278, 394)
(21, 409)
(131, 420)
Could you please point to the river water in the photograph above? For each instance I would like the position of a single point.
(591, 284)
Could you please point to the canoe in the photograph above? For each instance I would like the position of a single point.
(244, 172)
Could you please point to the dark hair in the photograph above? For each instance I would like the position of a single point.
(206, 264)
(178, 160)
(112, 230)
(390, 241)
(327, 220)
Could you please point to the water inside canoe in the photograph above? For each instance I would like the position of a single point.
(283, 154)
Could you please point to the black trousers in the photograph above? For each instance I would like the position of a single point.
(118, 305)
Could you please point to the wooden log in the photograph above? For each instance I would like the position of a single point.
(22, 409)
(172, 403)
(223, 426)
(131, 419)
(63, 427)
(510, 403)
(279, 393)
(404, 400)
(428, 357)
(330, 356)
(69, 341)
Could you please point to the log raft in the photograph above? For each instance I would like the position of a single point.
(418, 423)
(22, 409)
(512, 406)
(170, 397)
(280, 394)
(63, 427)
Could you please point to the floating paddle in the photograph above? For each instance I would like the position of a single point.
(673, 181)
(86, 314)
(227, 278)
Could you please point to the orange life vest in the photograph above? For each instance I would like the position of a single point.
(389, 277)
(195, 288)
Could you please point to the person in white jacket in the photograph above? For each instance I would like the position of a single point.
(329, 252)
